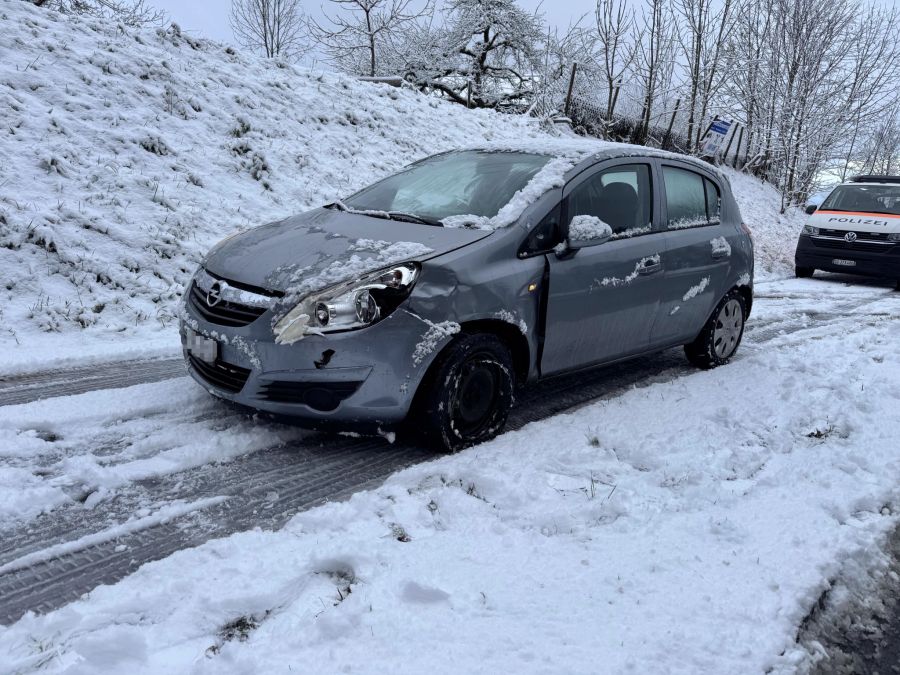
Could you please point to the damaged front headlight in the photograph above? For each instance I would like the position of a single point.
(348, 306)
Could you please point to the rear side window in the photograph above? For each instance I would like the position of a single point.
(621, 197)
(691, 199)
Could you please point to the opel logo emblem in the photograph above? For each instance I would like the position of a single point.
(214, 294)
(850, 236)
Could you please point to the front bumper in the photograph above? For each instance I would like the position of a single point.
(878, 260)
(363, 378)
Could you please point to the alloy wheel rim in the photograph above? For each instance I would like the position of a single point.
(729, 326)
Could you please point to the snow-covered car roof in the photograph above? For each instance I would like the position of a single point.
(579, 150)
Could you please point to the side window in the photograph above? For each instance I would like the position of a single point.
(621, 197)
(691, 199)
(685, 198)
(545, 235)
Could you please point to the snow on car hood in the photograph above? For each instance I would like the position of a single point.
(323, 247)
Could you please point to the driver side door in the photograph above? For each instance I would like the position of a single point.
(602, 300)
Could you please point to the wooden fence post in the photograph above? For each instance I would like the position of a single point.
(668, 135)
(571, 86)
(737, 152)
(730, 141)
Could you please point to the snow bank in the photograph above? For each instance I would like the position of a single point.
(774, 235)
(574, 545)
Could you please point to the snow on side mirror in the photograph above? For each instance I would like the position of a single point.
(811, 209)
(587, 231)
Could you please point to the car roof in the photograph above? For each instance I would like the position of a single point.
(873, 180)
(586, 151)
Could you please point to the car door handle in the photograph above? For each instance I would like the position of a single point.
(649, 267)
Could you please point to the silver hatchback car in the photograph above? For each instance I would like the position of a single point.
(432, 294)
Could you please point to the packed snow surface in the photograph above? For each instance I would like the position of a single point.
(686, 526)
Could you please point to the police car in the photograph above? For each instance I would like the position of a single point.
(856, 230)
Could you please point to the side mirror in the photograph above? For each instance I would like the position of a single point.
(587, 231)
(811, 209)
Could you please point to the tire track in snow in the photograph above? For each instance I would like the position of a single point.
(266, 488)
(66, 382)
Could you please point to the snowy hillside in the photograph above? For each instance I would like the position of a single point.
(127, 154)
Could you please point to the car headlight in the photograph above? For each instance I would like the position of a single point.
(809, 229)
(348, 306)
(894, 236)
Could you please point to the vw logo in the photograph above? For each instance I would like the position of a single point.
(214, 294)
(850, 236)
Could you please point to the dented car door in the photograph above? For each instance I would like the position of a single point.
(602, 300)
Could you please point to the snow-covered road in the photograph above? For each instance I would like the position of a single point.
(94, 484)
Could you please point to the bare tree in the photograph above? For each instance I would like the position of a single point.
(655, 59)
(354, 35)
(129, 12)
(617, 44)
(274, 27)
(705, 33)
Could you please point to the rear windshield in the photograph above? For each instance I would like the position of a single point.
(454, 184)
(864, 199)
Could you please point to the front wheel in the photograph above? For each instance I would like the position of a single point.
(469, 393)
(804, 272)
(720, 337)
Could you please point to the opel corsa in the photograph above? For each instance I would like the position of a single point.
(433, 294)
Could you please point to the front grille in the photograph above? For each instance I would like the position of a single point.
(222, 375)
(224, 313)
(323, 396)
(862, 236)
(858, 245)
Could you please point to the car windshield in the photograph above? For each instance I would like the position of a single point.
(474, 183)
(864, 199)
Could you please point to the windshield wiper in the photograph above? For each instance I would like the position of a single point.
(399, 216)
(413, 218)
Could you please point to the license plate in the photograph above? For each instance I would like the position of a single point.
(843, 263)
(201, 347)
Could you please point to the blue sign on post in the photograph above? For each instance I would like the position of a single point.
(715, 137)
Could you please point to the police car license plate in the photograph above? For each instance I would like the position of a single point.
(201, 347)
(843, 263)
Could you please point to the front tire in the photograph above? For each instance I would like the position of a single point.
(804, 272)
(469, 393)
(721, 336)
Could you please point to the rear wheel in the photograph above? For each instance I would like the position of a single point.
(721, 336)
(804, 272)
(467, 397)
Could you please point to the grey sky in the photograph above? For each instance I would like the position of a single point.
(209, 18)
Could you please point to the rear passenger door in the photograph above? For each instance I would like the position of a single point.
(602, 300)
(698, 252)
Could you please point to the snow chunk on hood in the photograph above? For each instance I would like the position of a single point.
(301, 283)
